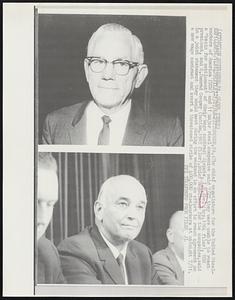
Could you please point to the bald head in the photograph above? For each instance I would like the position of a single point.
(175, 233)
(120, 208)
(177, 220)
(124, 184)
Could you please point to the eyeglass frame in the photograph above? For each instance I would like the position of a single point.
(130, 63)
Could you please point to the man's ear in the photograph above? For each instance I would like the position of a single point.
(98, 209)
(141, 75)
(169, 234)
(86, 69)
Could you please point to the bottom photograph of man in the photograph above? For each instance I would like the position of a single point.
(104, 218)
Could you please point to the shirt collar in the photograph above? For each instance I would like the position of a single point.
(113, 249)
(94, 110)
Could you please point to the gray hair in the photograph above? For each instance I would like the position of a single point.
(137, 48)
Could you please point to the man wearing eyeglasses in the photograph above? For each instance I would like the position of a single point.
(114, 67)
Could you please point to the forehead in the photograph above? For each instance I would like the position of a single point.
(112, 45)
(47, 185)
(124, 189)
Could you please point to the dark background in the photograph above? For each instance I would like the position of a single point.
(82, 174)
(61, 47)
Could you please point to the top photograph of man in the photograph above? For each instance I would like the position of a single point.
(114, 67)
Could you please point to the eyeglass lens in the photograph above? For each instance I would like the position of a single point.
(120, 67)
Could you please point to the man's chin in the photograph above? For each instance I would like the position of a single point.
(128, 236)
(106, 104)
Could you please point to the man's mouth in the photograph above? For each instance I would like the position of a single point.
(128, 226)
(108, 87)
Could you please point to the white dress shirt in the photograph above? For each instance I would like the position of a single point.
(116, 253)
(94, 123)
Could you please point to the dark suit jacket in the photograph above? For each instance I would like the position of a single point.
(168, 267)
(68, 126)
(48, 263)
(86, 259)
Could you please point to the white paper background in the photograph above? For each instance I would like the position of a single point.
(18, 155)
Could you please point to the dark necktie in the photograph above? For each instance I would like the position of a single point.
(105, 131)
(120, 263)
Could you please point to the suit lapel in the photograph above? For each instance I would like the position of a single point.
(133, 267)
(77, 133)
(112, 268)
(136, 127)
(109, 262)
(134, 134)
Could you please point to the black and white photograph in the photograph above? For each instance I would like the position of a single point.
(110, 79)
(117, 139)
(110, 219)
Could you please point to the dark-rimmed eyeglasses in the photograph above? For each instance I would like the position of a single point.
(121, 67)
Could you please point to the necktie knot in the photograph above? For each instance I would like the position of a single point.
(106, 119)
(103, 138)
(120, 259)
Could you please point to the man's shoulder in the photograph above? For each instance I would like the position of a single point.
(77, 240)
(139, 247)
(67, 111)
(47, 250)
(163, 254)
(159, 127)
(166, 127)
(49, 266)
(45, 244)
(161, 118)
(80, 245)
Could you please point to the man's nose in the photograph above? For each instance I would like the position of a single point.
(108, 72)
(132, 213)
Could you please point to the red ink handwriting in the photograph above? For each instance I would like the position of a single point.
(203, 196)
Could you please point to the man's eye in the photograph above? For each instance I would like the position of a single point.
(140, 206)
(50, 204)
(122, 204)
(97, 62)
(121, 63)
